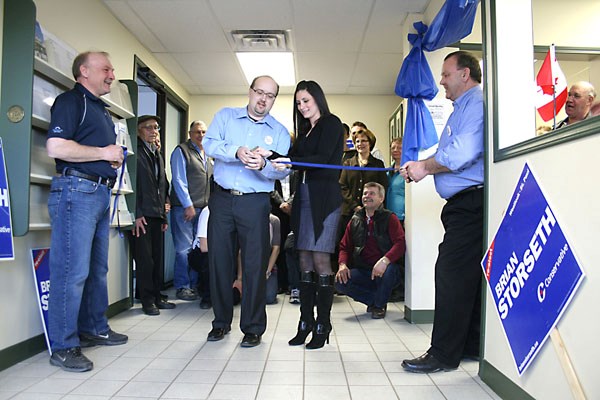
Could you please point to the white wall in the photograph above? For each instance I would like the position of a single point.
(372, 110)
(567, 176)
(569, 24)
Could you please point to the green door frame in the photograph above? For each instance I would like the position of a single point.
(17, 88)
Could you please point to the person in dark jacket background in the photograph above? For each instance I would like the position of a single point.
(152, 205)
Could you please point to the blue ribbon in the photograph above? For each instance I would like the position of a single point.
(329, 166)
(112, 217)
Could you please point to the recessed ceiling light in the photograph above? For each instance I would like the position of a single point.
(279, 65)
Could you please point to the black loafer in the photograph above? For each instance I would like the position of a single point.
(377, 313)
(217, 334)
(425, 364)
(165, 305)
(250, 340)
(205, 304)
(151, 309)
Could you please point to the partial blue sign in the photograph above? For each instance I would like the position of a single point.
(531, 271)
(40, 261)
(7, 249)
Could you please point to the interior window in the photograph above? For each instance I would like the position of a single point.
(576, 39)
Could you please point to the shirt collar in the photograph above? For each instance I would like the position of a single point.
(243, 113)
(463, 98)
(89, 94)
(195, 146)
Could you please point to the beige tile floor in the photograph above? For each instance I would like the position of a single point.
(167, 357)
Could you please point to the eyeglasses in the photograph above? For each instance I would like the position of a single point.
(151, 127)
(200, 131)
(261, 93)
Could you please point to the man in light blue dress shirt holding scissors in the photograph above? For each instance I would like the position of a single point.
(240, 206)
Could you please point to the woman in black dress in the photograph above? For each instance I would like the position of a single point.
(316, 207)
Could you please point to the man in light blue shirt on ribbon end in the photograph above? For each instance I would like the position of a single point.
(457, 167)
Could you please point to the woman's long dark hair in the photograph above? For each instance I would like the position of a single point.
(301, 124)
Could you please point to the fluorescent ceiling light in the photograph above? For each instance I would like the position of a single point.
(278, 65)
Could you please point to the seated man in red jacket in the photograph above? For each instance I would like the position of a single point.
(369, 251)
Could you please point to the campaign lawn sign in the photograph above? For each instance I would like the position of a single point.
(40, 261)
(7, 248)
(531, 270)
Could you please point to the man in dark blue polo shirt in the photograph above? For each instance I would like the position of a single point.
(81, 139)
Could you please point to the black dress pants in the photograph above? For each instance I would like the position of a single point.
(148, 255)
(458, 276)
(242, 220)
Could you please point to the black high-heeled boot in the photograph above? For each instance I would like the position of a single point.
(307, 288)
(324, 302)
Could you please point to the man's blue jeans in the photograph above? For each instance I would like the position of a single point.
(79, 216)
(370, 292)
(183, 237)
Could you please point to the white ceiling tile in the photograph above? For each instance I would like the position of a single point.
(131, 21)
(216, 69)
(255, 14)
(376, 69)
(333, 25)
(174, 67)
(328, 69)
(348, 46)
(181, 25)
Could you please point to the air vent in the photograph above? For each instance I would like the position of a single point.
(257, 40)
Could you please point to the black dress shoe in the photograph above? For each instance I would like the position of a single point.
(164, 296)
(205, 304)
(250, 340)
(165, 305)
(217, 334)
(377, 313)
(425, 364)
(150, 309)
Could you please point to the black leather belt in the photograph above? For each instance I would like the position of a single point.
(465, 191)
(98, 179)
(231, 191)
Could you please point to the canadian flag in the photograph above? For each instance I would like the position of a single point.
(552, 87)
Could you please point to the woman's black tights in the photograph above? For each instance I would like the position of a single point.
(315, 261)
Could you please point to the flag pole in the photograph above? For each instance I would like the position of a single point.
(554, 105)
(552, 57)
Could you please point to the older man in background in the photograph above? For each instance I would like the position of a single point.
(150, 217)
(579, 103)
